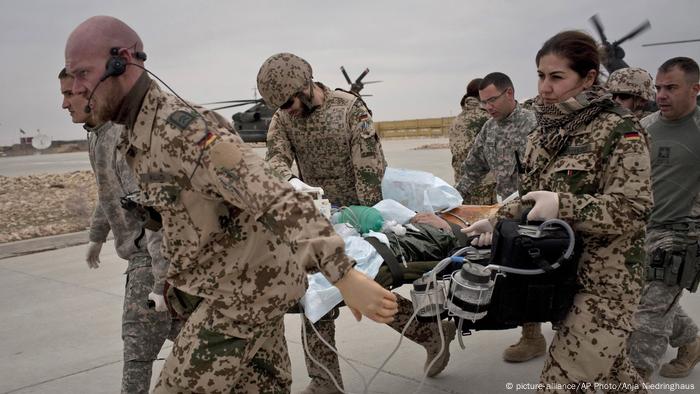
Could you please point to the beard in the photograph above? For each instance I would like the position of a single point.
(107, 101)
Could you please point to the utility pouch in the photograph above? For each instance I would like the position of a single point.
(690, 275)
(149, 217)
(180, 304)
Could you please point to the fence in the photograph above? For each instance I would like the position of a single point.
(431, 127)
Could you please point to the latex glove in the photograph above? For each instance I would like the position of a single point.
(298, 185)
(93, 254)
(366, 297)
(546, 205)
(483, 229)
(159, 302)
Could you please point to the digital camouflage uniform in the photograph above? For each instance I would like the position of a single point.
(674, 225)
(234, 234)
(494, 150)
(599, 166)
(464, 129)
(336, 148)
(143, 329)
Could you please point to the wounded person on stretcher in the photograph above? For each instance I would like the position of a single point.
(417, 252)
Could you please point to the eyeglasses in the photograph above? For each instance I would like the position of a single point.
(493, 99)
(622, 96)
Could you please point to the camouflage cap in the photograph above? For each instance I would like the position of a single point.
(281, 76)
(632, 80)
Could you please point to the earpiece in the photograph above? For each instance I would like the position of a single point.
(116, 65)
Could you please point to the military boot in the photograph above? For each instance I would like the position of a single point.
(426, 335)
(530, 345)
(680, 367)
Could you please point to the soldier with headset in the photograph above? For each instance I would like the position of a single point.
(234, 233)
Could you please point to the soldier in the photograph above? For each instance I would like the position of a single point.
(144, 330)
(673, 231)
(587, 163)
(495, 148)
(236, 236)
(633, 89)
(331, 137)
(462, 133)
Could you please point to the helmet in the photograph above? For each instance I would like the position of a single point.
(632, 80)
(281, 76)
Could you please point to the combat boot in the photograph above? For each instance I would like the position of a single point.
(531, 344)
(680, 367)
(320, 386)
(433, 348)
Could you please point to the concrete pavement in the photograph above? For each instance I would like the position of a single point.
(60, 333)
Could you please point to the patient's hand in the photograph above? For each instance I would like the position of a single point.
(431, 219)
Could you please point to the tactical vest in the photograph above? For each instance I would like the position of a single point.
(321, 144)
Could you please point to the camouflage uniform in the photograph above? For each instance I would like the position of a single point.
(143, 330)
(336, 148)
(494, 150)
(598, 163)
(660, 320)
(464, 129)
(235, 235)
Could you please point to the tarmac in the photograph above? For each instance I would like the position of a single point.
(61, 324)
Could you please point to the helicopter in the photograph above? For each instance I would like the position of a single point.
(252, 124)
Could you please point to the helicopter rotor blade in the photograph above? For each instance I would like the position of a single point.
(368, 82)
(230, 106)
(366, 95)
(345, 74)
(644, 26)
(364, 73)
(595, 20)
(670, 42)
(233, 101)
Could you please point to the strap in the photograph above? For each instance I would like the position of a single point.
(390, 260)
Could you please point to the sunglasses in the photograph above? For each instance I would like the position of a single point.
(288, 104)
(622, 96)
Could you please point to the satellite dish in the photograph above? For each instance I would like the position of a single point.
(41, 141)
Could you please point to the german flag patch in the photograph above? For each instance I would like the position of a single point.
(631, 136)
(208, 139)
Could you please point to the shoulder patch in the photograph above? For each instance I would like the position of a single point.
(631, 135)
(181, 119)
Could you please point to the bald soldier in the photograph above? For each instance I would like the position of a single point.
(235, 235)
(331, 137)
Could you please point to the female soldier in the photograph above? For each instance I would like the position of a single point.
(588, 164)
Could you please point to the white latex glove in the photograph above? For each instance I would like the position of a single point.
(366, 297)
(93, 254)
(546, 205)
(483, 229)
(159, 300)
(298, 185)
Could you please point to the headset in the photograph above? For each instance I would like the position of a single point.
(116, 66)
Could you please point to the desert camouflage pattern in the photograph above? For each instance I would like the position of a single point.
(464, 129)
(221, 362)
(632, 80)
(602, 177)
(281, 76)
(234, 233)
(494, 150)
(143, 330)
(335, 148)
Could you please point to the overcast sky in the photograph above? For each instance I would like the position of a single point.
(424, 51)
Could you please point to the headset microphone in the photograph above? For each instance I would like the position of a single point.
(116, 65)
